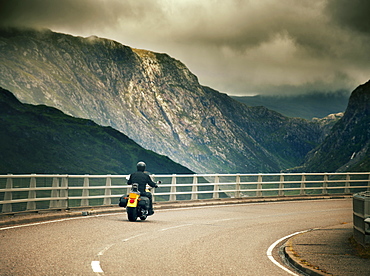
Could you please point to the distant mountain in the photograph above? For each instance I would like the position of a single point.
(305, 106)
(41, 139)
(329, 121)
(154, 99)
(347, 147)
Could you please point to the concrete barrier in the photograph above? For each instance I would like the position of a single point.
(361, 218)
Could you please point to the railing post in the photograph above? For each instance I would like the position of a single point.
(7, 207)
(216, 195)
(108, 191)
(64, 193)
(348, 184)
(368, 184)
(129, 187)
(194, 188)
(153, 190)
(281, 185)
(55, 194)
(173, 188)
(237, 186)
(85, 192)
(325, 185)
(303, 185)
(31, 205)
(259, 186)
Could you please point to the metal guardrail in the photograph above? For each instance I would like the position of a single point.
(35, 192)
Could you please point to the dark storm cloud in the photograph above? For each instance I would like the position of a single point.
(353, 14)
(79, 14)
(235, 46)
(40, 12)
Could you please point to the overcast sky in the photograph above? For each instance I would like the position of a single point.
(239, 47)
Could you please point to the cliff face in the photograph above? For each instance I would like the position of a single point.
(152, 98)
(347, 147)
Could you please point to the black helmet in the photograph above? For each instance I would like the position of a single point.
(141, 166)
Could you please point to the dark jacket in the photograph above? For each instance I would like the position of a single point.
(142, 179)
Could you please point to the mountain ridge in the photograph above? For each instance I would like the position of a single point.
(154, 99)
(347, 146)
(307, 106)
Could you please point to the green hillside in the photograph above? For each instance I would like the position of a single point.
(41, 139)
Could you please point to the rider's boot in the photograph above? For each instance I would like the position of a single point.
(150, 211)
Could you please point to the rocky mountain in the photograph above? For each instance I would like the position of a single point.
(347, 147)
(154, 99)
(307, 106)
(41, 139)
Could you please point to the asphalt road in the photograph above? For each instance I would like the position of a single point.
(216, 240)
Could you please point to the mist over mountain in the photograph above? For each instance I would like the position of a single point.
(307, 106)
(347, 147)
(153, 99)
(42, 139)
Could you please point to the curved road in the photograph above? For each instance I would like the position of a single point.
(217, 240)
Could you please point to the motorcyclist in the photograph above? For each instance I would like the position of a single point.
(142, 178)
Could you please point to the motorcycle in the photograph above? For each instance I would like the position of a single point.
(136, 205)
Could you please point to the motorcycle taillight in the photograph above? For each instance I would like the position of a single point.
(132, 200)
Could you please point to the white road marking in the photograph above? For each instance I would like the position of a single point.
(56, 220)
(173, 227)
(221, 220)
(272, 246)
(127, 239)
(105, 249)
(95, 265)
(39, 223)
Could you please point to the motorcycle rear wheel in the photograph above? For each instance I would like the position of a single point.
(131, 213)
